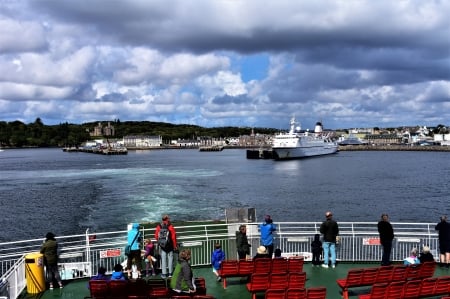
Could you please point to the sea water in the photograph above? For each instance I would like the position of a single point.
(50, 190)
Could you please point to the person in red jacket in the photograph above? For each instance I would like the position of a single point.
(166, 239)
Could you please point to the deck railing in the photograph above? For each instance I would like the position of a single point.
(81, 255)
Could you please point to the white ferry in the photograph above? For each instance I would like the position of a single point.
(294, 144)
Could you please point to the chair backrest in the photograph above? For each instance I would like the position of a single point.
(98, 288)
(369, 276)
(395, 289)
(228, 267)
(138, 287)
(275, 294)
(384, 273)
(378, 291)
(411, 289)
(442, 286)
(279, 265)
(354, 277)
(399, 273)
(262, 265)
(316, 293)
(296, 280)
(278, 281)
(118, 288)
(200, 284)
(427, 286)
(258, 282)
(413, 271)
(295, 264)
(245, 267)
(296, 293)
(427, 269)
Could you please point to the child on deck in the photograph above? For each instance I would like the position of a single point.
(316, 248)
(149, 251)
(118, 273)
(216, 260)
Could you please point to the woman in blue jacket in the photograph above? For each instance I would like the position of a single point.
(266, 229)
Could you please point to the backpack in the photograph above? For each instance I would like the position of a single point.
(163, 236)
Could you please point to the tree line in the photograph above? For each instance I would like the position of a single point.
(37, 134)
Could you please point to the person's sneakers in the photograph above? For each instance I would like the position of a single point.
(170, 275)
(219, 278)
(163, 276)
(324, 266)
(51, 286)
(333, 266)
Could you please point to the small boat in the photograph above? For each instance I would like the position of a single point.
(213, 148)
(295, 144)
(352, 140)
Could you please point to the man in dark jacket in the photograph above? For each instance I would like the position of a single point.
(443, 227)
(50, 251)
(330, 230)
(386, 236)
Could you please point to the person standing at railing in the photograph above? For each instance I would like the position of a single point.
(166, 237)
(267, 228)
(386, 236)
(50, 251)
(330, 229)
(134, 240)
(242, 245)
(444, 241)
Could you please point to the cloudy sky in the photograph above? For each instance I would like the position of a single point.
(226, 62)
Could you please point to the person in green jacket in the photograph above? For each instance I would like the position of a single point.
(183, 278)
(50, 251)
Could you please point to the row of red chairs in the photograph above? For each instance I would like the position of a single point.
(261, 282)
(235, 268)
(411, 289)
(297, 293)
(370, 276)
(136, 289)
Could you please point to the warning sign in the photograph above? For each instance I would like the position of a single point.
(110, 253)
(371, 241)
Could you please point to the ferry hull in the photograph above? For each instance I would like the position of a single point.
(285, 153)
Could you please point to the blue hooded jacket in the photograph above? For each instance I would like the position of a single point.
(132, 234)
(267, 228)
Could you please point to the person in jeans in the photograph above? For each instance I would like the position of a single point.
(386, 236)
(330, 229)
(50, 251)
(169, 248)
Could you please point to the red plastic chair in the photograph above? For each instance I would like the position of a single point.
(369, 276)
(378, 291)
(200, 285)
(228, 268)
(413, 271)
(427, 269)
(295, 264)
(395, 289)
(279, 265)
(384, 274)
(258, 283)
(442, 286)
(245, 267)
(296, 293)
(278, 281)
(98, 289)
(399, 273)
(353, 279)
(296, 280)
(118, 289)
(411, 289)
(275, 294)
(427, 287)
(316, 293)
(138, 287)
(262, 265)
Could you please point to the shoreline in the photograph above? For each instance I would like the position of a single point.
(416, 148)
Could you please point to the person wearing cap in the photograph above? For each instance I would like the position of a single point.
(426, 255)
(266, 229)
(330, 229)
(443, 227)
(261, 252)
(50, 251)
(386, 233)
